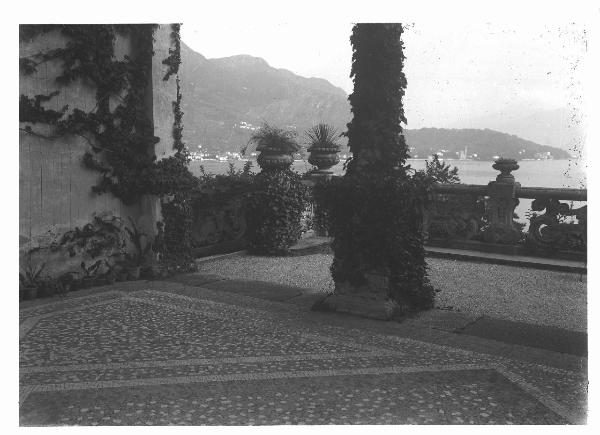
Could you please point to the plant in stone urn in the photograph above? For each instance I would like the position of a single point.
(323, 145)
(30, 278)
(140, 254)
(277, 199)
(276, 147)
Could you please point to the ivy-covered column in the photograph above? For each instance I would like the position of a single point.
(376, 208)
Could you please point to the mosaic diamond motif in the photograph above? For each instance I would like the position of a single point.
(158, 358)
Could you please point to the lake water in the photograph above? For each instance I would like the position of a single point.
(531, 173)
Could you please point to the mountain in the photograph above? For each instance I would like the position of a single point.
(225, 99)
(560, 128)
(485, 144)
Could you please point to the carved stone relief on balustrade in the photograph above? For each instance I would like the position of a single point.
(560, 227)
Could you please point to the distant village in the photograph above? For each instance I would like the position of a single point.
(202, 154)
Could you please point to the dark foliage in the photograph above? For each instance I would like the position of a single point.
(376, 223)
(141, 244)
(178, 219)
(174, 59)
(375, 211)
(103, 234)
(274, 211)
(217, 190)
(441, 172)
(121, 139)
(375, 134)
(31, 109)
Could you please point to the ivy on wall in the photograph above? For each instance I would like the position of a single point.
(121, 139)
(178, 211)
(174, 59)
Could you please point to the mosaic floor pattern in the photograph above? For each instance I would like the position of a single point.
(153, 357)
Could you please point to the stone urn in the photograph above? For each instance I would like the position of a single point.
(323, 158)
(505, 166)
(273, 158)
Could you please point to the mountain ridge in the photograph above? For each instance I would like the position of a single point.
(224, 99)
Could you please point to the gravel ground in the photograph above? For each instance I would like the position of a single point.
(514, 293)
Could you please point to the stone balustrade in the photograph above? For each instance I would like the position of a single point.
(482, 217)
(460, 216)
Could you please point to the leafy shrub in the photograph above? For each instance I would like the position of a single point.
(103, 235)
(274, 211)
(441, 172)
(218, 189)
(178, 220)
(268, 137)
(376, 224)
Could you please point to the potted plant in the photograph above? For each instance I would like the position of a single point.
(50, 287)
(276, 147)
(68, 282)
(89, 274)
(323, 145)
(135, 260)
(157, 268)
(110, 276)
(29, 279)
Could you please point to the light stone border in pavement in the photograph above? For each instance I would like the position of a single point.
(366, 350)
(206, 361)
(24, 311)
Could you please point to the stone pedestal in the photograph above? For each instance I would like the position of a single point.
(502, 203)
(316, 176)
(367, 300)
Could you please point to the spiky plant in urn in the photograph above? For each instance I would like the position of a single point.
(376, 209)
(276, 147)
(323, 145)
(278, 198)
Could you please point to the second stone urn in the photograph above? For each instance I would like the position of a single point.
(323, 145)
(323, 158)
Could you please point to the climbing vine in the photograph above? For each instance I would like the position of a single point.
(174, 59)
(178, 211)
(375, 210)
(121, 139)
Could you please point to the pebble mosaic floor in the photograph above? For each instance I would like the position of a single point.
(154, 357)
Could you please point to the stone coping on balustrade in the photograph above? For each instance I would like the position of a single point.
(571, 258)
(510, 256)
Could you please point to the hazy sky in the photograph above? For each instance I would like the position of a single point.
(454, 71)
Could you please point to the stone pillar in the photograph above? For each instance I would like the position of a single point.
(502, 203)
(324, 158)
(315, 178)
